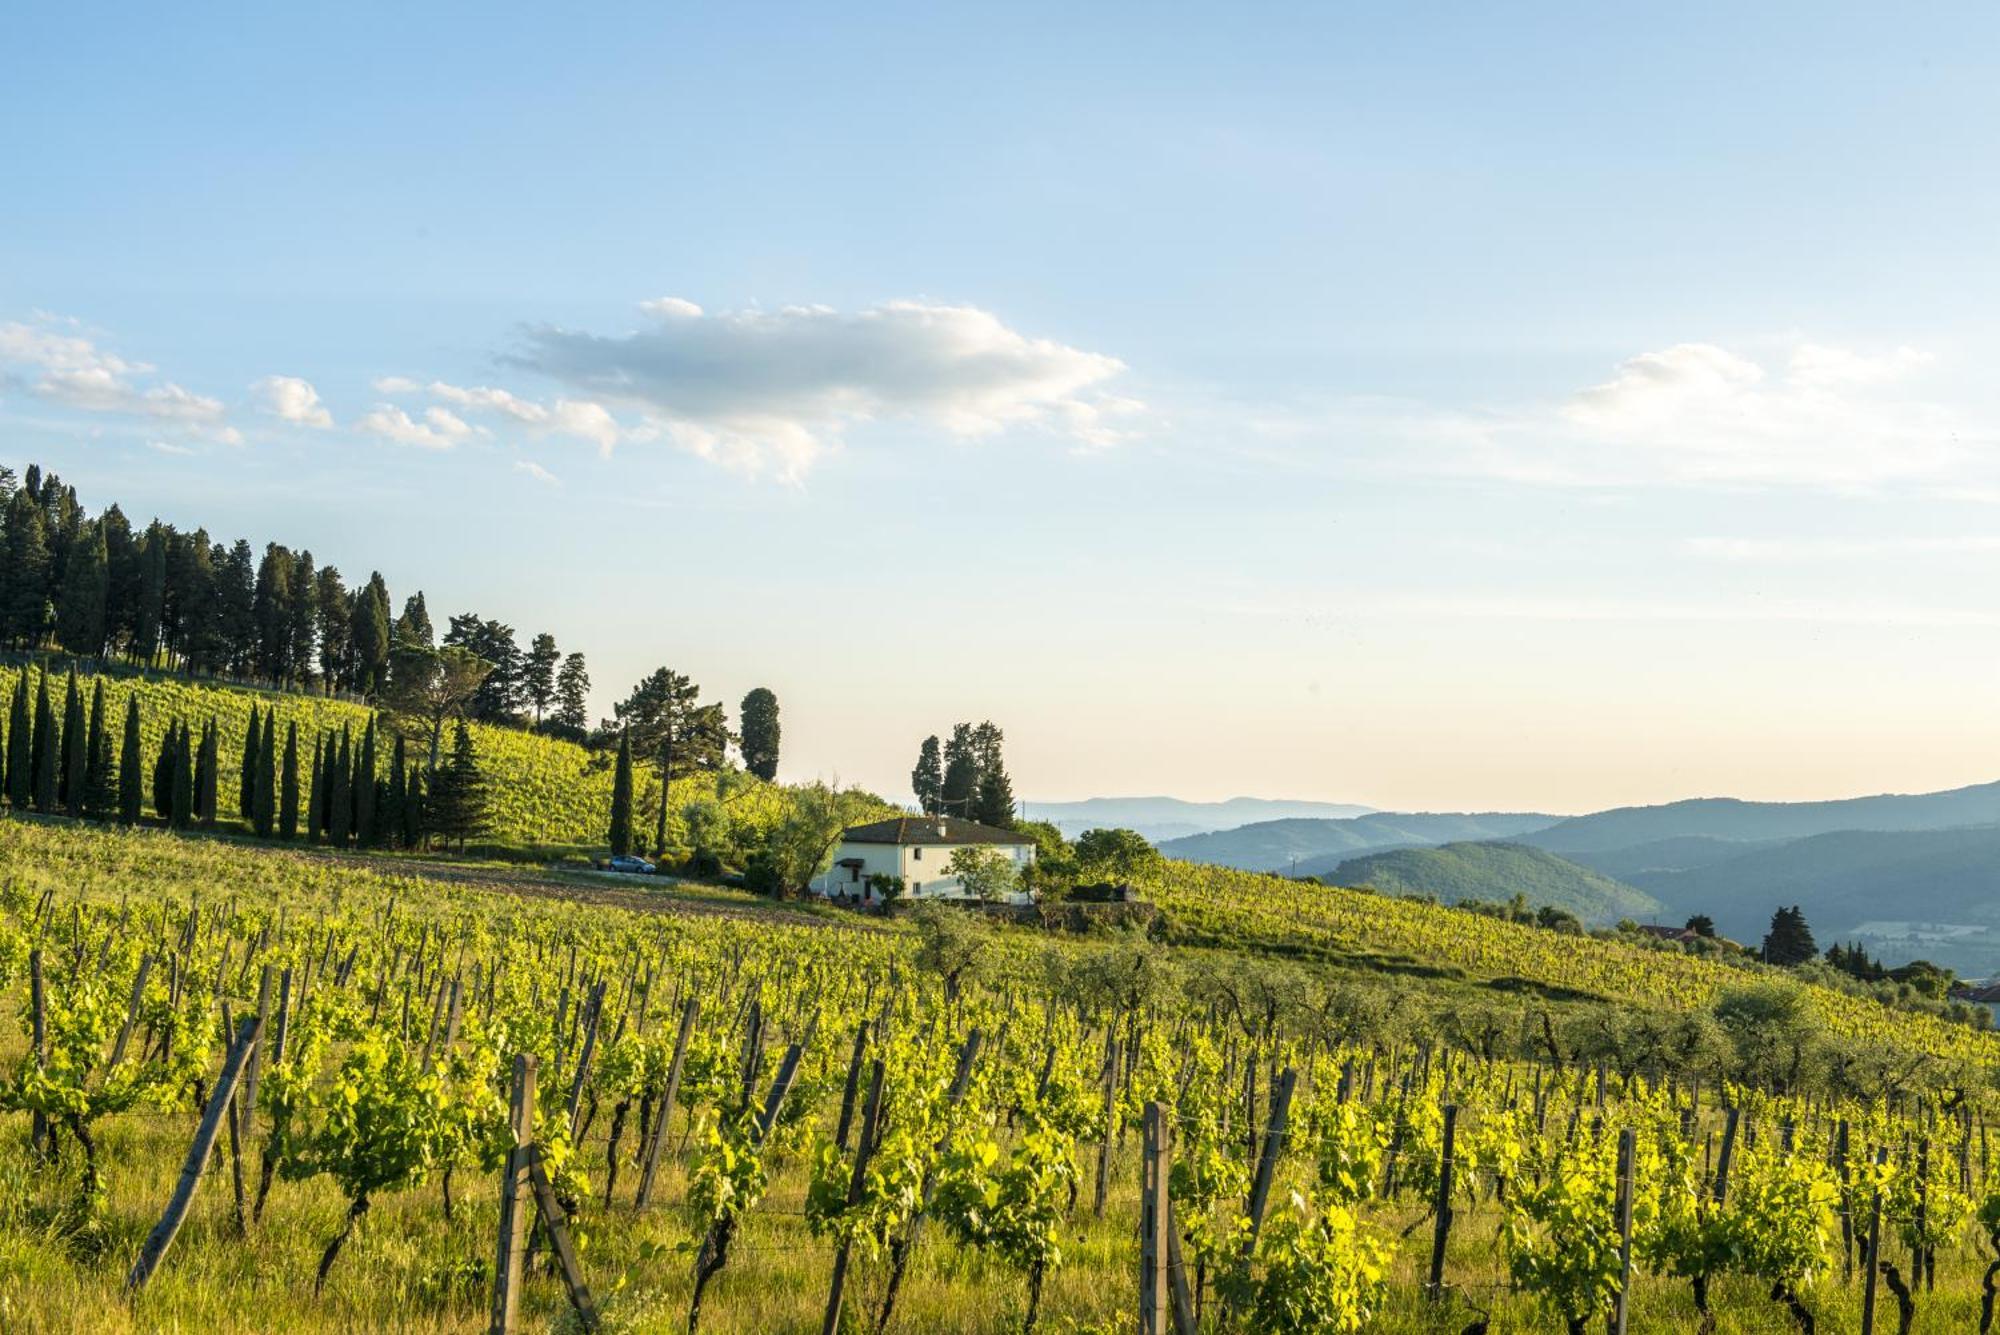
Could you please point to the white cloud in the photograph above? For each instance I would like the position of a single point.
(537, 472)
(770, 391)
(578, 419)
(291, 399)
(440, 428)
(396, 384)
(1700, 414)
(72, 370)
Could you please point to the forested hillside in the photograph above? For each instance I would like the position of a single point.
(1477, 871)
(1728, 818)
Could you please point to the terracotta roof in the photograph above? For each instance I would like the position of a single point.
(931, 830)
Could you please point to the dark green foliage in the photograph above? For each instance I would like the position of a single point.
(264, 787)
(98, 789)
(927, 779)
(1488, 873)
(182, 779)
(364, 787)
(759, 722)
(1790, 940)
(86, 585)
(572, 716)
(206, 778)
(163, 775)
(1701, 925)
(961, 773)
(621, 798)
(131, 770)
(75, 777)
(395, 796)
(246, 784)
(416, 810)
(538, 675)
(457, 804)
(20, 738)
(993, 799)
(665, 722)
(340, 798)
(288, 801)
(316, 796)
(44, 748)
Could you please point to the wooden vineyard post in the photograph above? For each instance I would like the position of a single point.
(556, 1222)
(1184, 1323)
(1442, 1213)
(837, 1290)
(594, 1014)
(1627, 1146)
(1846, 1208)
(1874, 1246)
(689, 1012)
(1728, 1154)
(853, 1086)
(1154, 1302)
(196, 1163)
(246, 1115)
(1110, 1125)
(1267, 1161)
(509, 1262)
(38, 1134)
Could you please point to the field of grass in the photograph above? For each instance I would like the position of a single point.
(1043, 1004)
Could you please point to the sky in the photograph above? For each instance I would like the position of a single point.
(1439, 407)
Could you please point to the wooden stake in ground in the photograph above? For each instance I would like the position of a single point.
(162, 1236)
(1442, 1210)
(1627, 1147)
(837, 1290)
(1155, 1303)
(509, 1262)
(659, 1130)
(556, 1222)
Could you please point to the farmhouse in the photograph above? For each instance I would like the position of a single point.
(918, 849)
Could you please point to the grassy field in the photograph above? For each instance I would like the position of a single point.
(409, 1268)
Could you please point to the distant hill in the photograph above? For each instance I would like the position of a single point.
(1728, 818)
(1160, 818)
(1917, 893)
(1491, 871)
(1681, 853)
(1320, 845)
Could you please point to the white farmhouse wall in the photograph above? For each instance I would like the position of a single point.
(922, 867)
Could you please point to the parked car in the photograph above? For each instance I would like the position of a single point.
(627, 863)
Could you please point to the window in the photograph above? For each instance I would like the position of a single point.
(917, 854)
(916, 887)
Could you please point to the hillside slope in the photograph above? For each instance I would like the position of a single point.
(1904, 894)
(1161, 818)
(1319, 845)
(544, 792)
(1729, 818)
(1455, 872)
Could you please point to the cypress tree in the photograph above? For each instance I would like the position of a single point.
(130, 771)
(621, 798)
(341, 794)
(288, 801)
(458, 792)
(205, 772)
(163, 776)
(20, 736)
(97, 793)
(45, 749)
(246, 779)
(264, 789)
(364, 788)
(182, 779)
(316, 798)
(414, 810)
(75, 777)
(389, 819)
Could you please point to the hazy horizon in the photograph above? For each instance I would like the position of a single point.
(1548, 410)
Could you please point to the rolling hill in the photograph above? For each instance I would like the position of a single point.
(1459, 871)
(1729, 818)
(1160, 818)
(1320, 845)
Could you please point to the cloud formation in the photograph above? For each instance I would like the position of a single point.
(291, 399)
(1701, 414)
(440, 428)
(70, 369)
(770, 391)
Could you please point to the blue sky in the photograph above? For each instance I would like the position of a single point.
(1436, 407)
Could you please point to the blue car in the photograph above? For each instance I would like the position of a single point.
(626, 862)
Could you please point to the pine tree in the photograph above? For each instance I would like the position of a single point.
(20, 739)
(961, 773)
(131, 773)
(45, 749)
(1790, 940)
(264, 790)
(288, 802)
(246, 783)
(458, 792)
(994, 804)
(760, 733)
(927, 779)
(364, 788)
(75, 779)
(97, 784)
(205, 774)
(621, 798)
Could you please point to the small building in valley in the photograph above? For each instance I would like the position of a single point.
(918, 851)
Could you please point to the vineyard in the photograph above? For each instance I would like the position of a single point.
(547, 795)
(418, 1104)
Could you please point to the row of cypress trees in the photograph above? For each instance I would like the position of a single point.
(342, 800)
